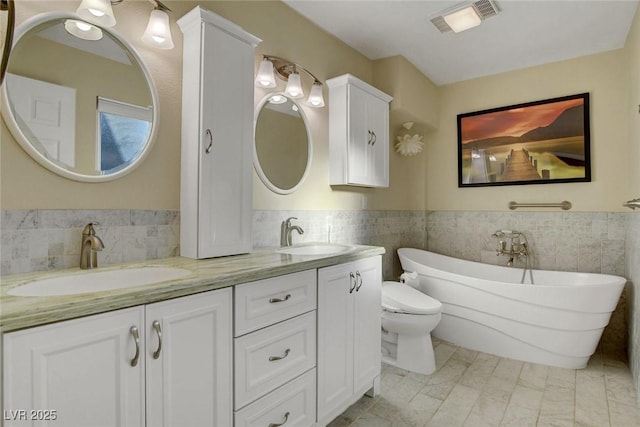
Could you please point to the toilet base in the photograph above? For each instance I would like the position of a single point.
(413, 353)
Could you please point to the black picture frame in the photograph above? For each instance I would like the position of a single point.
(539, 142)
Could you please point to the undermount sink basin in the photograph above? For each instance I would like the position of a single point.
(314, 249)
(98, 281)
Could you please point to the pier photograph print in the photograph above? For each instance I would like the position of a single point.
(537, 142)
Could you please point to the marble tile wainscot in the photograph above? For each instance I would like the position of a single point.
(41, 239)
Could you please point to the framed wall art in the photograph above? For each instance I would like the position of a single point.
(537, 142)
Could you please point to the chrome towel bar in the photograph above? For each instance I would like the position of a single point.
(564, 205)
(632, 204)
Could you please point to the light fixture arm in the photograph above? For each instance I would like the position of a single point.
(283, 68)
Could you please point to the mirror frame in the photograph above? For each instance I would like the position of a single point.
(10, 121)
(256, 162)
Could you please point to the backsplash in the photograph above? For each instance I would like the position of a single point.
(38, 240)
(587, 242)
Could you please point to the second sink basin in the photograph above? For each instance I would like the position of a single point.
(98, 281)
(314, 249)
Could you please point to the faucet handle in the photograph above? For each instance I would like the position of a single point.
(89, 230)
(288, 221)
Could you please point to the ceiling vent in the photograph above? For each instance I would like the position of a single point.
(484, 9)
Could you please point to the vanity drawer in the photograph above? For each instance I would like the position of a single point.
(293, 404)
(268, 358)
(265, 302)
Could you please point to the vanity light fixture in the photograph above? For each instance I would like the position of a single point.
(465, 15)
(270, 66)
(100, 12)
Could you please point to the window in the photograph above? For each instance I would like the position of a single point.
(123, 132)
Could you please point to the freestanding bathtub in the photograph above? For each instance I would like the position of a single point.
(557, 321)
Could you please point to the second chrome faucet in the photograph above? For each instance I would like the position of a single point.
(285, 231)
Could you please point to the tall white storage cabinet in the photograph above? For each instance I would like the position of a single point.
(358, 133)
(217, 136)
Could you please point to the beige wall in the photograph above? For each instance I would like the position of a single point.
(426, 181)
(604, 76)
(155, 184)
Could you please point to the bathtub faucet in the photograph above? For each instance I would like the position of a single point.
(517, 247)
(517, 244)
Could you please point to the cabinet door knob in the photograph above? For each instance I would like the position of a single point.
(277, 300)
(286, 418)
(275, 358)
(136, 338)
(158, 329)
(358, 281)
(352, 281)
(210, 146)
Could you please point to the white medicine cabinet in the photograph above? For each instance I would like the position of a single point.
(358, 133)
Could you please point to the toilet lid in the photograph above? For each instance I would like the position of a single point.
(402, 298)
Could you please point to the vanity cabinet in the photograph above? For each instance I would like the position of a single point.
(275, 351)
(217, 136)
(164, 364)
(349, 356)
(358, 133)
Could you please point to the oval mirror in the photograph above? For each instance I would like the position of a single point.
(282, 148)
(84, 108)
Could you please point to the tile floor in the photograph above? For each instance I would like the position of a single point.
(473, 389)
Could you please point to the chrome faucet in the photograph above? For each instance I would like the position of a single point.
(285, 231)
(91, 244)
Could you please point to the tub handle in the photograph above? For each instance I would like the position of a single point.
(352, 281)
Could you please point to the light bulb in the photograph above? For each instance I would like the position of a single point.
(315, 99)
(82, 30)
(97, 12)
(294, 86)
(265, 77)
(158, 31)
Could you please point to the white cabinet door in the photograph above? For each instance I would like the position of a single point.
(335, 338)
(81, 369)
(378, 156)
(349, 304)
(367, 323)
(217, 136)
(359, 143)
(358, 133)
(189, 376)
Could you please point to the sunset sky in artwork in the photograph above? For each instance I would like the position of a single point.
(514, 122)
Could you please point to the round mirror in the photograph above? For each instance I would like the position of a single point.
(78, 98)
(282, 149)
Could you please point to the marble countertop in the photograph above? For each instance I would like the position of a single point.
(18, 312)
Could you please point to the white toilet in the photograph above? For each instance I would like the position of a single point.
(408, 317)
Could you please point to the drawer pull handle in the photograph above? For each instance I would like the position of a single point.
(156, 326)
(286, 418)
(276, 300)
(136, 339)
(358, 281)
(275, 358)
(352, 281)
